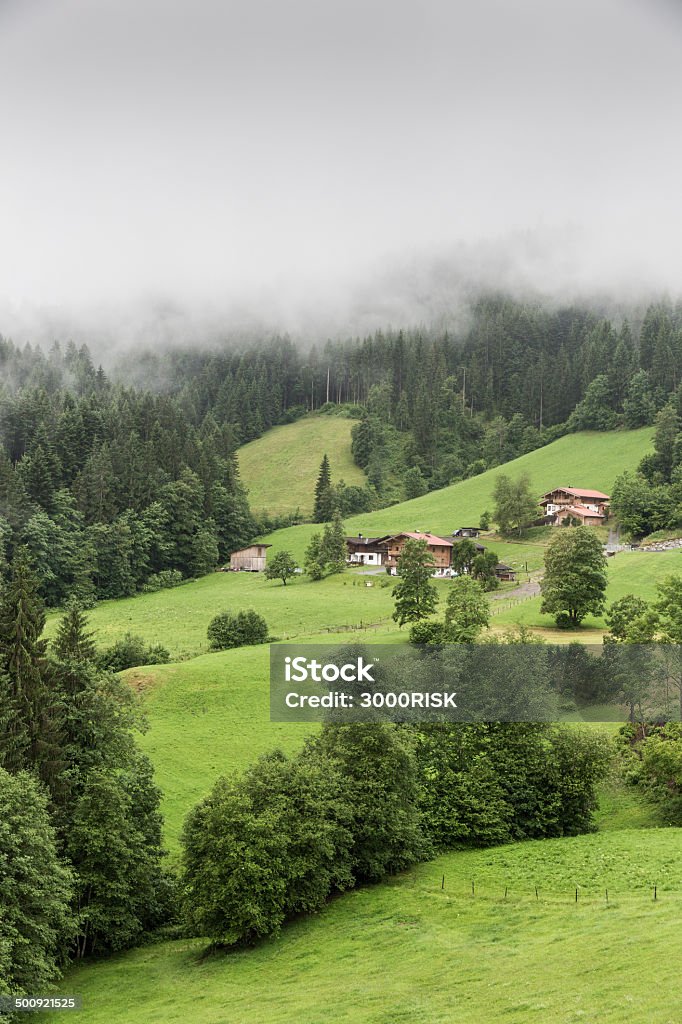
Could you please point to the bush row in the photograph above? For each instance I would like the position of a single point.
(364, 801)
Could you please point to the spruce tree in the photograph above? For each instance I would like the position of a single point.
(333, 550)
(32, 739)
(73, 641)
(323, 509)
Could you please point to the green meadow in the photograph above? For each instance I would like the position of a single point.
(411, 950)
(209, 714)
(587, 460)
(280, 468)
(422, 947)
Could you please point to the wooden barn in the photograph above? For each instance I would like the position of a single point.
(505, 572)
(251, 559)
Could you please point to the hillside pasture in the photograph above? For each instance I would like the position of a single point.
(409, 950)
(280, 468)
(588, 459)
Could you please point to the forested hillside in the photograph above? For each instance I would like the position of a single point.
(117, 487)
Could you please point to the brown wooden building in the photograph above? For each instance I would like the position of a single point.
(367, 550)
(251, 559)
(575, 504)
(439, 548)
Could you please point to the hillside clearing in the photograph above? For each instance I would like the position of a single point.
(280, 468)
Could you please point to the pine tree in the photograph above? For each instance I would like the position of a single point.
(323, 509)
(73, 642)
(32, 738)
(333, 550)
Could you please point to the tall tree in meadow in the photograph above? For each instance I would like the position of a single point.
(467, 611)
(323, 509)
(515, 504)
(414, 593)
(574, 584)
(334, 549)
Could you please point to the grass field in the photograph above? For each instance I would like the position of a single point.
(410, 951)
(209, 715)
(407, 950)
(280, 468)
(587, 460)
(630, 572)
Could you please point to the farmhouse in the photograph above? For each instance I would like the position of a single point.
(251, 559)
(367, 550)
(439, 548)
(565, 505)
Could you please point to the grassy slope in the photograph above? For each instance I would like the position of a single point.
(280, 469)
(209, 715)
(587, 460)
(410, 951)
(405, 950)
(635, 572)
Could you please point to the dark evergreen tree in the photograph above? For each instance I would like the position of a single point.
(323, 509)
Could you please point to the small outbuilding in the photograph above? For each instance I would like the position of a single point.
(466, 531)
(505, 572)
(251, 559)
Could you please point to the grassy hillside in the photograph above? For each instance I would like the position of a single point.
(178, 618)
(587, 460)
(630, 572)
(280, 469)
(407, 950)
(411, 951)
(209, 715)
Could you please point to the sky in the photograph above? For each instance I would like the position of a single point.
(167, 163)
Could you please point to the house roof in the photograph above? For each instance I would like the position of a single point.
(459, 540)
(256, 544)
(503, 567)
(581, 510)
(430, 538)
(578, 492)
(365, 541)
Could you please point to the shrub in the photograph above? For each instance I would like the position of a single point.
(131, 651)
(162, 580)
(241, 630)
(428, 633)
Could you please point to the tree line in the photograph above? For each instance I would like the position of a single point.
(81, 855)
(364, 801)
(114, 480)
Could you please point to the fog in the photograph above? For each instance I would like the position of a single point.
(173, 169)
